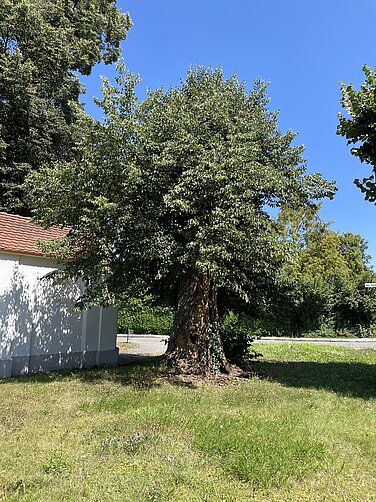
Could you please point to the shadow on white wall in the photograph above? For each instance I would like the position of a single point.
(39, 329)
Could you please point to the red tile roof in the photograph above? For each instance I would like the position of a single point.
(19, 234)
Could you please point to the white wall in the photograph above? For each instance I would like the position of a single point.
(39, 329)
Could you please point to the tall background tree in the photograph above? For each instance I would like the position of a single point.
(43, 45)
(172, 193)
(360, 127)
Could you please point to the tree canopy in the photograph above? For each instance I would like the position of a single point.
(42, 47)
(360, 128)
(175, 190)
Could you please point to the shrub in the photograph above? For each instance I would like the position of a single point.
(142, 316)
(237, 334)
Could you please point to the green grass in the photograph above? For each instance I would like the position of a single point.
(303, 430)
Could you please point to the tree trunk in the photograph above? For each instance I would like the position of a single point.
(195, 345)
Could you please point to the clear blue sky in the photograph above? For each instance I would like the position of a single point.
(305, 48)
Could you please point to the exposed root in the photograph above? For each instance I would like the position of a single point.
(189, 373)
(188, 363)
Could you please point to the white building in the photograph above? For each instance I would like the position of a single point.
(39, 330)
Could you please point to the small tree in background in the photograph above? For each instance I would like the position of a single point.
(173, 192)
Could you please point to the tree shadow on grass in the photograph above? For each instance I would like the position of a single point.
(346, 379)
(138, 372)
(147, 372)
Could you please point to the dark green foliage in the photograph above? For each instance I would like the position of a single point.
(237, 334)
(360, 128)
(42, 46)
(354, 306)
(142, 316)
(297, 306)
(317, 309)
(313, 308)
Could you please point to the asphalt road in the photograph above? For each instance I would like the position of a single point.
(145, 345)
(151, 345)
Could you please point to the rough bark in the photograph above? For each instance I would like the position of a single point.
(195, 345)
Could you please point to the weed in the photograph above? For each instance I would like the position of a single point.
(55, 464)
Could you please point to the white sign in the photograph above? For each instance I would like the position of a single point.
(370, 285)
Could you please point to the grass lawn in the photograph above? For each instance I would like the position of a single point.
(303, 430)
